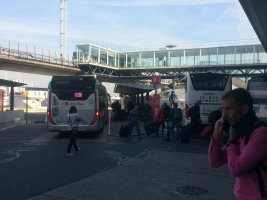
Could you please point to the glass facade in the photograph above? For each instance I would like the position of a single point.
(227, 55)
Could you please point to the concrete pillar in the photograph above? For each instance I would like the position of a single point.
(147, 96)
(11, 99)
(142, 102)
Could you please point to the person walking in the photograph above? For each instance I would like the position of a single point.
(245, 152)
(176, 118)
(133, 120)
(73, 119)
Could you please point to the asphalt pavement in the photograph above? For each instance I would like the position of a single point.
(180, 172)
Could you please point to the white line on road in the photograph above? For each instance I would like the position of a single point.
(8, 127)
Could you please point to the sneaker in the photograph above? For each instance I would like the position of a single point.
(69, 154)
(79, 149)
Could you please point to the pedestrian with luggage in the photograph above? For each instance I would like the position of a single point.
(133, 120)
(116, 107)
(245, 152)
(73, 119)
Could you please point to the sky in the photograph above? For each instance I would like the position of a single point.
(121, 24)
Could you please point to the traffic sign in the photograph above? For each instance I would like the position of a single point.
(25, 93)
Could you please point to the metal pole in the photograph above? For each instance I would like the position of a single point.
(9, 48)
(26, 107)
(63, 22)
(109, 120)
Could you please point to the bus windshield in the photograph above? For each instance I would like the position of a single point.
(258, 83)
(209, 82)
(257, 87)
(73, 83)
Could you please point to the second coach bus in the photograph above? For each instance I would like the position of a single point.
(209, 89)
(257, 87)
(84, 92)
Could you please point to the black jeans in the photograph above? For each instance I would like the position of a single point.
(72, 140)
(158, 125)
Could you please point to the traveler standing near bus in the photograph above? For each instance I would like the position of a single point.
(73, 119)
(171, 98)
(194, 114)
(245, 151)
(147, 113)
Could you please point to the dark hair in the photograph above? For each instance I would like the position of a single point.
(240, 96)
(73, 109)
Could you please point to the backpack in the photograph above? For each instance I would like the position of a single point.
(193, 112)
(177, 114)
(260, 165)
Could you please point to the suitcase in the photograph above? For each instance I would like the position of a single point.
(150, 128)
(124, 130)
(185, 134)
(206, 132)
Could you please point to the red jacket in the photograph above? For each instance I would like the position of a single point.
(160, 117)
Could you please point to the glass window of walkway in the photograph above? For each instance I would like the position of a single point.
(171, 57)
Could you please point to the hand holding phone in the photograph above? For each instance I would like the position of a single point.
(218, 134)
(225, 127)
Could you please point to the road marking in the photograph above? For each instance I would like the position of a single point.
(14, 153)
(8, 127)
(46, 137)
(14, 156)
(123, 159)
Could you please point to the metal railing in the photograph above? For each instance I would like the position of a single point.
(41, 57)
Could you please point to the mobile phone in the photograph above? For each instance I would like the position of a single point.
(225, 127)
(225, 130)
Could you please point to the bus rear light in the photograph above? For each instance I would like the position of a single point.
(49, 118)
(186, 109)
(96, 117)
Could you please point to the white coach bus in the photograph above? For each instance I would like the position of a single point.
(257, 87)
(209, 89)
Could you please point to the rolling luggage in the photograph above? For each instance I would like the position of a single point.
(167, 131)
(185, 134)
(124, 130)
